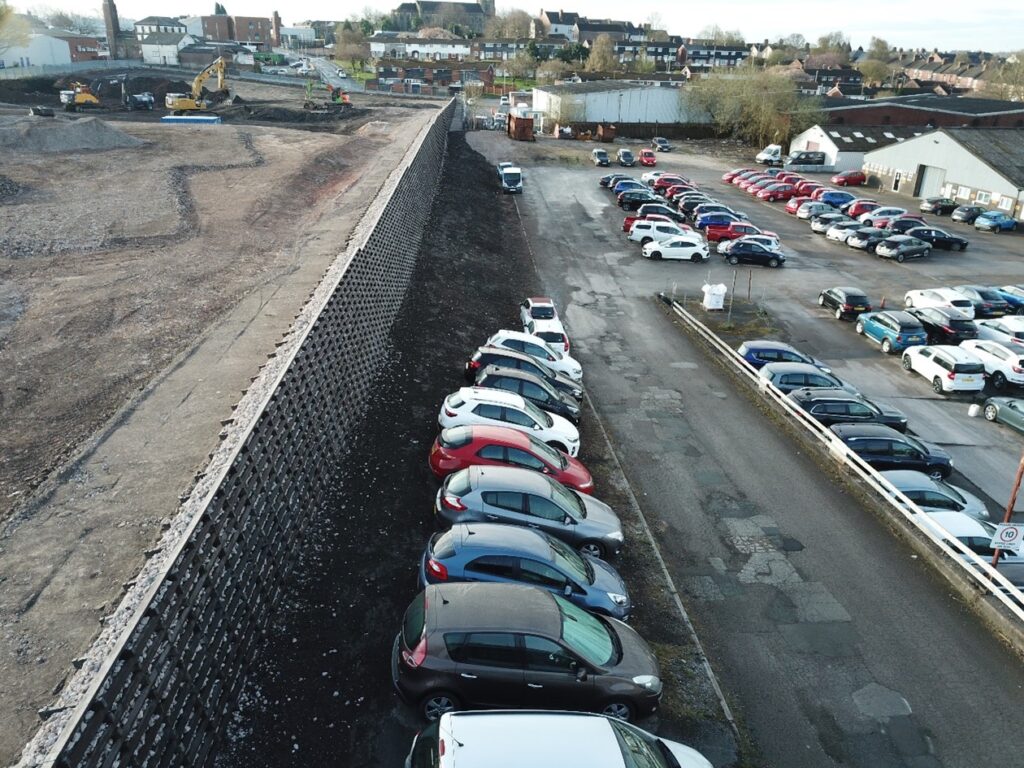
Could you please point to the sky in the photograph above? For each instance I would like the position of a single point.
(993, 25)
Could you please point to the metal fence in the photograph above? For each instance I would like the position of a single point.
(161, 680)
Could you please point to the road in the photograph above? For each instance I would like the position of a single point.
(835, 645)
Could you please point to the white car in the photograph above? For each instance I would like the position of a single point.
(650, 177)
(1006, 330)
(943, 298)
(1002, 364)
(535, 346)
(813, 208)
(886, 212)
(685, 247)
(768, 241)
(500, 408)
(975, 534)
(537, 308)
(644, 231)
(949, 369)
(841, 230)
(552, 331)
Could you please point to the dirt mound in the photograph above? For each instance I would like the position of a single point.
(108, 88)
(30, 134)
(29, 90)
(284, 115)
(8, 187)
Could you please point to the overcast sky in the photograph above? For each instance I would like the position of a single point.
(993, 25)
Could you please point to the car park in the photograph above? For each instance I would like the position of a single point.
(902, 247)
(1002, 364)
(945, 326)
(841, 230)
(625, 158)
(532, 388)
(949, 369)
(661, 144)
(647, 158)
(535, 346)
(1005, 410)
(508, 358)
(667, 180)
(499, 408)
(893, 330)
(644, 231)
(814, 208)
(987, 301)
(599, 157)
(1013, 295)
(844, 301)
(886, 449)
(610, 180)
(774, 192)
(939, 238)
(632, 199)
(715, 222)
(866, 238)
(820, 224)
(853, 178)
(995, 221)
(760, 352)
(537, 308)
(660, 209)
(790, 376)
(855, 208)
(735, 230)
(511, 554)
(933, 495)
(1005, 330)
(551, 331)
(684, 247)
(945, 298)
(836, 406)
(940, 206)
(880, 217)
(749, 252)
(523, 497)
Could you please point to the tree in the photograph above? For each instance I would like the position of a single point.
(875, 72)
(13, 28)
(347, 33)
(795, 41)
(553, 69)
(577, 53)
(834, 44)
(536, 52)
(602, 55)
(522, 65)
(642, 64)
(1008, 82)
(878, 49)
(72, 22)
(219, 10)
(510, 24)
(720, 36)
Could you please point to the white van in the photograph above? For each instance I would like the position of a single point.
(770, 155)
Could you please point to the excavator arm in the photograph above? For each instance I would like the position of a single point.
(216, 67)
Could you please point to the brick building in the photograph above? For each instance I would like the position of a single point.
(926, 110)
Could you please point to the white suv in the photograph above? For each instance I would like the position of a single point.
(537, 308)
(499, 408)
(1003, 365)
(949, 369)
(552, 331)
(943, 298)
(537, 347)
(643, 231)
(1005, 330)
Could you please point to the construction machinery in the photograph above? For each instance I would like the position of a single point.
(183, 103)
(337, 99)
(80, 96)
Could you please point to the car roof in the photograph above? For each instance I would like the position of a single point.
(792, 368)
(506, 352)
(864, 430)
(473, 536)
(514, 438)
(769, 344)
(958, 524)
(509, 478)
(483, 606)
(1013, 321)
(957, 353)
(908, 479)
(488, 395)
(814, 394)
(508, 333)
(541, 300)
(900, 316)
(552, 325)
(849, 289)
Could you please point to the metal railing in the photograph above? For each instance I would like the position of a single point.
(975, 568)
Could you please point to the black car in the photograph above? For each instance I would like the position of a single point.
(660, 144)
(632, 199)
(686, 206)
(844, 301)
(945, 326)
(836, 406)
(532, 388)
(867, 238)
(901, 226)
(510, 358)
(662, 210)
(940, 206)
(611, 179)
(987, 301)
(967, 213)
(940, 238)
(885, 448)
(753, 253)
(902, 247)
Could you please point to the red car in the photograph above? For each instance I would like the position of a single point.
(647, 158)
(857, 207)
(460, 447)
(669, 180)
(744, 183)
(733, 230)
(850, 179)
(728, 176)
(777, 191)
(817, 193)
(806, 187)
(740, 177)
(790, 178)
(795, 202)
(627, 222)
(757, 186)
(676, 189)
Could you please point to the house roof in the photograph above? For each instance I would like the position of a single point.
(431, 6)
(603, 25)
(594, 86)
(864, 138)
(561, 17)
(958, 105)
(159, 21)
(1000, 148)
(163, 38)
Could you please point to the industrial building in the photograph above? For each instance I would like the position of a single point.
(984, 166)
(608, 101)
(925, 110)
(845, 146)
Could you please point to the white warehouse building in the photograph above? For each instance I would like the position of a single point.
(845, 145)
(614, 101)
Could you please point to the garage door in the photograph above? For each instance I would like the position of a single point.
(929, 181)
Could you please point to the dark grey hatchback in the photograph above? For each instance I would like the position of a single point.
(532, 388)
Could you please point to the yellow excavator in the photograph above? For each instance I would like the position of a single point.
(183, 103)
(80, 96)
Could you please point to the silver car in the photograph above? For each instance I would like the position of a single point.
(936, 495)
(523, 497)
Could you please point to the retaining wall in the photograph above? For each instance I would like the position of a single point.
(157, 686)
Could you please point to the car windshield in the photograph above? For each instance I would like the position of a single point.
(916, 444)
(586, 634)
(538, 415)
(569, 560)
(511, 178)
(568, 501)
(640, 749)
(854, 298)
(542, 312)
(988, 295)
(952, 492)
(546, 453)
(969, 368)
(626, 155)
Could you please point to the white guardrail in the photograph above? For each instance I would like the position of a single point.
(974, 567)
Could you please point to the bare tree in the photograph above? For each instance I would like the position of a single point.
(602, 55)
(1008, 82)
(720, 36)
(553, 69)
(13, 28)
(521, 65)
(873, 71)
(878, 49)
(510, 24)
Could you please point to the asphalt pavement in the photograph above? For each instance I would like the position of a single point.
(835, 645)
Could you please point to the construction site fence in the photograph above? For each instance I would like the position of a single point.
(159, 685)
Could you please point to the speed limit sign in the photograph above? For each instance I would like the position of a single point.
(1009, 536)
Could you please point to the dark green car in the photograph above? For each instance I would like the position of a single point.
(1008, 410)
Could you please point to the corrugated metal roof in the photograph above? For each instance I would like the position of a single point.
(1000, 148)
(864, 138)
(595, 86)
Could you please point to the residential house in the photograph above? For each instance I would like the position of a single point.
(388, 47)
(159, 25)
(586, 31)
(829, 77)
(162, 47)
(663, 54)
(462, 72)
(552, 23)
(704, 55)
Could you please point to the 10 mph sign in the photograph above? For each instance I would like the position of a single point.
(1009, 536)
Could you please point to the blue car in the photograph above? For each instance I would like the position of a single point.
(894, 331)
(837, 198)
(627, 184)
(760, 352)
(995, 221)
(720, 219)
(1014, 296)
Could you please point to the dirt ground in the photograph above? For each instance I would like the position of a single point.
(321, 690)
(140, 289)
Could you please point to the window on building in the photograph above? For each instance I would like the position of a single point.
(1006, 204)
(983, 197)
(963, 192)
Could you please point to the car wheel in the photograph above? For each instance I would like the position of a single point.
(839, 313)
(998, 380)
(859, 327)
(900, 258)
(656, 255)
(696, 259)
(821, 300)
(1020, 310)
(773, 263)
(771, 199)
(437, 703)
(620, 710)
(734, 260)
(963, 246)
(645, 240)
(937, 385)
(559, 447)
(593, 548)
(907, 365)
(887, 346)
(991, 412)
(935, 473)
(867, 223)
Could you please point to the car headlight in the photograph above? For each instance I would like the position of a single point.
(616, 536)
(618, 599)
(650, 682)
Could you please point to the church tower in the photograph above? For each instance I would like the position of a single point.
(488, 7)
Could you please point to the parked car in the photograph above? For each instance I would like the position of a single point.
(1013, 295)
(836, 406)
(523, 497)
(854, 208)
(599, 157)
(945, 326)
(735, 230)
(610, 180)
(748, 252)
(647, 158)
(901, 225)
(678, 189)
(794, 203)
(814, 208)
(551, 331)
(744, 183)
(626, 185)
(866, 238)
(705, 209)
(902, 247)
(850, 179)
(1002, 364)
(967, 213)
(976, 535)
(817, 193)
(893, 330)
(944, 298)
(715, 221)
(845, 302)
(790, 376)
(531, 738)
(661, 144)
(1005, 330)
(949, 369)
(644, 231)
(759, 185)
(684, 247)
(806, 187)
(885, 449)
(532, 388)
(735, 181)
(509, 554)
(880, 217)
(550, 355)
(1005, 410)
(499, 408)
(940, 206)
(667, 180)
(771, 242)
(995, 221)
(841, 230)
(933, 495)
(625, 158)
(537, 308)
(728, 176)
(649, 177)
(987, 301)
(939, 238)
(760, 352)
(632, 199)
(836, 198)
(776, 191)
(820, 224)
(508, 358)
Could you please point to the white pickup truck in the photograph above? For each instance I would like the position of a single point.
(511, 178)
